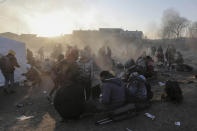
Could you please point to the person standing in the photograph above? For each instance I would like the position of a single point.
(8, 64)
(69, 100)
(54, 75)
(41, 53)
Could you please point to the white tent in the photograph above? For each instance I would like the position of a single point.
(20, 49)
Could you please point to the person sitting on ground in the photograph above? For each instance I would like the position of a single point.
(172, 92)
(113, 91)
(7, 66)
(138, 89)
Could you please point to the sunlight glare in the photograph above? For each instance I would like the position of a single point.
(50, 25)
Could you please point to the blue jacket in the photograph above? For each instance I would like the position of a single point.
(137, 88)
(113, 92)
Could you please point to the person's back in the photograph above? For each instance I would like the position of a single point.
(137, 87)
(113, 93)
(69, 101)
(8, 64)
(65, 71)
(173, 92)
(70, 71)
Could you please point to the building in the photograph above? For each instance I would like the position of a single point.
(109, 32)
(132, 34)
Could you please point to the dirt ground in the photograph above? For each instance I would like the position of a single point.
(46, 118)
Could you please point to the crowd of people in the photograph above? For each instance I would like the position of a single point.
(73, 75)
(74, 93)
(169, 57)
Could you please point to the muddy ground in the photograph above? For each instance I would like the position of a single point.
(46, 118)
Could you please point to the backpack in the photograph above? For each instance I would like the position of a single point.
(140, 83)
(173, 91)
(6, 65)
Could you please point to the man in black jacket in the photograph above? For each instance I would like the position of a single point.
(69, 100)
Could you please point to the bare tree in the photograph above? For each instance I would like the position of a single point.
(193, 30)
(173, 25)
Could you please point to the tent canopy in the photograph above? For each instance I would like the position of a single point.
(20, 49)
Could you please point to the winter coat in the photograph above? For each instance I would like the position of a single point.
(113, 92)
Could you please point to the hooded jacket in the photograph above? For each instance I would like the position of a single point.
(113, 92)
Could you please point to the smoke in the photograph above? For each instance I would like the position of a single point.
(24, 16)
(122, 48)
(37, 16)
(11, 20)
(152, 30)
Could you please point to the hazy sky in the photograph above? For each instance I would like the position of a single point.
(54, 17)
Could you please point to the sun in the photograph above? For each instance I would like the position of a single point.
(59, 22)
(50, 25)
